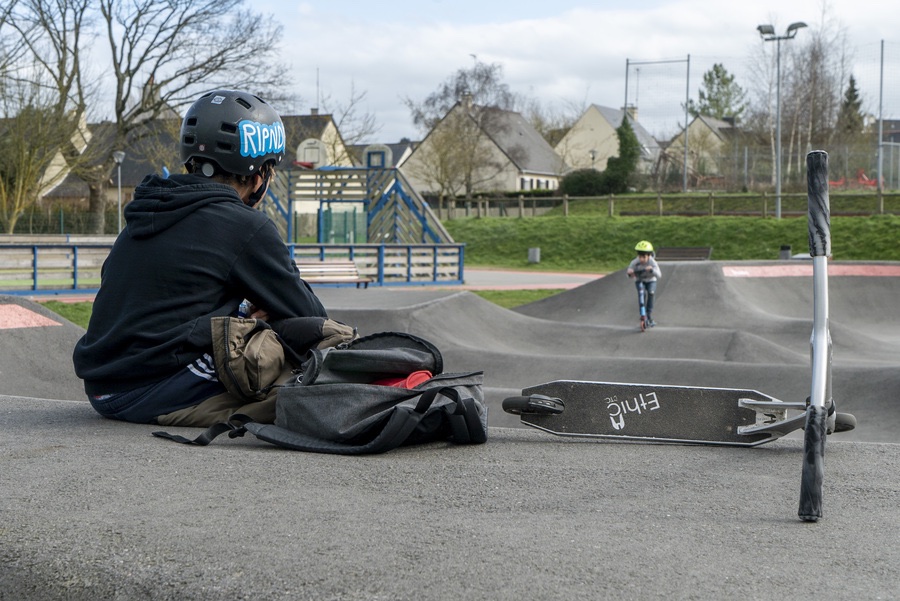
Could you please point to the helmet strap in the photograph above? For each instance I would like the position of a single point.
(256, 196)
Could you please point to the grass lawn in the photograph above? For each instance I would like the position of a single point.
(593, 243)
(515, 298)
(77, 313)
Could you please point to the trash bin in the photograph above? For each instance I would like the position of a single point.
(534, 255)
(785, 253)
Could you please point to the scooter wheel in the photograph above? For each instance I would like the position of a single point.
(844, 422)
(536, 404)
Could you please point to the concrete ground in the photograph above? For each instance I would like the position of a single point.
(94, 509)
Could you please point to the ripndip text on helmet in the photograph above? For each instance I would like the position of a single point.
(258, 139)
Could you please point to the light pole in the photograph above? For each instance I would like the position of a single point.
(767, 33)
(118, 157)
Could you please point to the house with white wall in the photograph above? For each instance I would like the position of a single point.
(592, 140)
(509, 155)
(709, 141)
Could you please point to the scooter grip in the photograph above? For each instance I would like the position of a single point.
(819, 215)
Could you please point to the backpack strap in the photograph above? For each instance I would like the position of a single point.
(235, 426)
(465, 422)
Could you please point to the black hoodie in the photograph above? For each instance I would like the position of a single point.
(191, 250)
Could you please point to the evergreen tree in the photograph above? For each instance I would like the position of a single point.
(620, 170)
(850, 120)
(720, 96)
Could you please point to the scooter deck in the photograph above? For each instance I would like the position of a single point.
(657, 413)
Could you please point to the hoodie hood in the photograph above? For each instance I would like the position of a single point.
(159, 202)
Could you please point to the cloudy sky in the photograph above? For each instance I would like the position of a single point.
(563, 53)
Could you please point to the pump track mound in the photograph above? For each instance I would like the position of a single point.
(728, 325)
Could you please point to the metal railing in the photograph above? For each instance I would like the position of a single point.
(58, 267)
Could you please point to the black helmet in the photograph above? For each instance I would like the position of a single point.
(236, 130)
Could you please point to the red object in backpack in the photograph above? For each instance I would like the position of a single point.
(410, 381)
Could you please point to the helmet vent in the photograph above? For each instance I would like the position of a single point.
(243, 103)
(224, 146)
(191, 121)
(229, 128)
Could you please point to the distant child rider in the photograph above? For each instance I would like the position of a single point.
(193, 249)
(645, 271)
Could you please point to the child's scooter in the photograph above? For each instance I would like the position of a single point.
(642, 306)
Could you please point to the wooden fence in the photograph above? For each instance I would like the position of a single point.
(694, 205)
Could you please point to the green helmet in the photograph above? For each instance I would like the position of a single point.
(235, 130)
(644, 247)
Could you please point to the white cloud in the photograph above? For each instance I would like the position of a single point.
(561, 51)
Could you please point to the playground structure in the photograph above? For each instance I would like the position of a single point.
(353, 205)
(371, 216)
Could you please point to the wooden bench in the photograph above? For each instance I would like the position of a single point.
(683, 253)
(332, 272)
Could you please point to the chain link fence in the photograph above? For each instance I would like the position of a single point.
(62, 219)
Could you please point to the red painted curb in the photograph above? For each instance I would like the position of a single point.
(16, 316)
(806, 270)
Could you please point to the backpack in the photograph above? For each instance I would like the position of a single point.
(367, 395)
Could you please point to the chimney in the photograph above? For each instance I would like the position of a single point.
(314, 111)
(632, 111)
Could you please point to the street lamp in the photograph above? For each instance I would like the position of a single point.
(767, 33)
(118, 157)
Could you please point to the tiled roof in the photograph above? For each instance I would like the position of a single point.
(524, 146)
(649, 144)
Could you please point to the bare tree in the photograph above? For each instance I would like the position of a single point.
(42, 130)
(552, 122)
(440, 165)
(814, 70)
(482, 85)
(32, 135)
(163, 54)
(471, 103)
(11, 46)
(355, 124)
(764, 71)
(814, 93)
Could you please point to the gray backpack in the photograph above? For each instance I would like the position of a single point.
(370, 395)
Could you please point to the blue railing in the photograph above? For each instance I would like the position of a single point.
(59, 268)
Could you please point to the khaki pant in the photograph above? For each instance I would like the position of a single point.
(251, 363)
(219, 408)
(249, 359)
